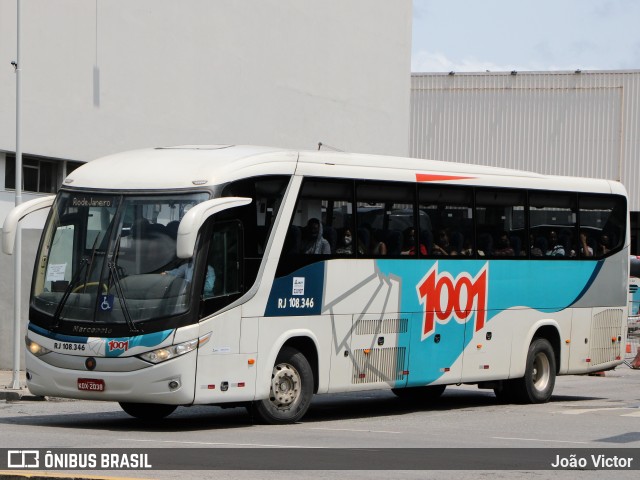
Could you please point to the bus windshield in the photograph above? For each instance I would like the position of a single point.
(111, 259)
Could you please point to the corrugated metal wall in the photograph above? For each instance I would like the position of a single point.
(564, 123)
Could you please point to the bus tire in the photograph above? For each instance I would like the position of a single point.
(427, 394)
(540, 374)
(291, 390)
(148, 411)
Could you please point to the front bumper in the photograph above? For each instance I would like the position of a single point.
(146, 385)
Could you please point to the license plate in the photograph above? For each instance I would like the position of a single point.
(91, 384)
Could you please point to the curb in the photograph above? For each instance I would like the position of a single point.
(18, 395)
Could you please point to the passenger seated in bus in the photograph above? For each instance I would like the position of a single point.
(538, 246)
(346, 244)
(185, 270)
(441, 246)
(378, 247)
(603, 244)
(467, 249)
(584, 248)
(364, 236)
(555, 249)
(409, 243)
(313, 243)
(503, 246)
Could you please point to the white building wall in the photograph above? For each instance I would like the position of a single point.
(566, 123)
(104, 76)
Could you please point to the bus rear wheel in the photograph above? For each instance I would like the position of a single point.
(291, 390)
(148, 411)
(540, 374)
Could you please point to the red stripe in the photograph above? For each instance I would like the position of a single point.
(428, 177)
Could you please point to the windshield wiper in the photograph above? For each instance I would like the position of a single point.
(85, 262)
(65, 296)
(113, 270)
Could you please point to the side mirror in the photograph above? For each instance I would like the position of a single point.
(18, 213)
(195, 218)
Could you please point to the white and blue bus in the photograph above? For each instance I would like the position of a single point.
(254, 276)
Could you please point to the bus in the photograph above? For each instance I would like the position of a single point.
(258, 277)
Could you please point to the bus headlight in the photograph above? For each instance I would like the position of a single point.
(35, 348)
(173, 351)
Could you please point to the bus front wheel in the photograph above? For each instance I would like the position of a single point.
(147, 411)
(291, 390)
(540, 374)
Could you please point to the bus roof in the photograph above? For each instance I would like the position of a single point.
(191, 166)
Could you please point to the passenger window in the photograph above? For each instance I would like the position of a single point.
(602, 225)
(321, 225)
(223, 276)
(60, 259)
(448, 229)
(552, 225)
(386, 219)
(267, 193)
(500, 218)
(323, 212)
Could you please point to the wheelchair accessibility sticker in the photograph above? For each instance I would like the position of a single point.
(106, 303)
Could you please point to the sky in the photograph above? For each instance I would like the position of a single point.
(525, 35)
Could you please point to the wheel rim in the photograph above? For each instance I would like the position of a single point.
(286, 386)
(541, 372)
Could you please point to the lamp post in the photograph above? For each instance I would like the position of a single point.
(15, 382)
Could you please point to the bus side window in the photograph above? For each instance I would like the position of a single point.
(321, 221)
(553, 224)
(386, 218)
(323, 209)
(223, 270)
(449, 229)
(602, 221)
(267, 193)
(501, 214)
(257, 218)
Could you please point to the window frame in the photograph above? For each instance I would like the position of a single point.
(471, 196)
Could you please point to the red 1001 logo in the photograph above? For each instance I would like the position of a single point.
(445, 297)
